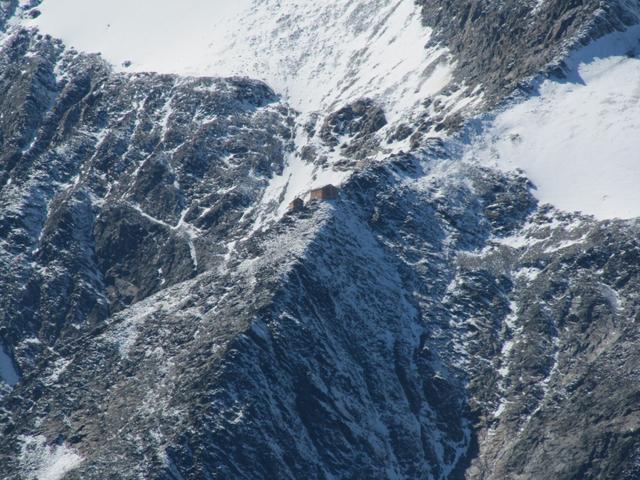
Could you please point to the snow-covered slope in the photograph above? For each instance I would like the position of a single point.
(575, 138)
(318, 54)
(578, 138)
(159, 35)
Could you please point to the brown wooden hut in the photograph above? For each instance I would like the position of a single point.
(328, 192)
(295, 205)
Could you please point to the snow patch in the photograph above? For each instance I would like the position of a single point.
(47, 462)
(59, 368)
(613, 297)
(529, 274)
(578, 138)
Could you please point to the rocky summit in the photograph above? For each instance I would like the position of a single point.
(175, 305)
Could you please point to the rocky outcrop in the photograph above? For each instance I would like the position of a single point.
(357, 122)
(412, 313)
(115, 187)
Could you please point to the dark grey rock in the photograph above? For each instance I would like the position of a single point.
(434, 322)
(353, 127)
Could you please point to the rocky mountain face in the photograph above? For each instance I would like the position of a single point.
(160, 319)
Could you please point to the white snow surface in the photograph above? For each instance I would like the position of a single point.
(578, 140)
(47, 462)
(318, 54)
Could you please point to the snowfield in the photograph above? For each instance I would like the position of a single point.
(45, 462)
(578, 139)
(158, 35)
(318, 54)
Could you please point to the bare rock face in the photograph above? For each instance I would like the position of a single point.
(108, 180)
(359, 119)
(433, 322)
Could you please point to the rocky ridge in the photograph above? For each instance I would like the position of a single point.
(435, 322)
